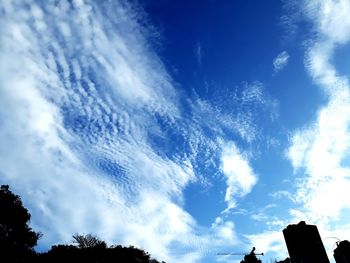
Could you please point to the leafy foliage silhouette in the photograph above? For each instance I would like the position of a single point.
(73, 254)
(17, 239)
(88, 241)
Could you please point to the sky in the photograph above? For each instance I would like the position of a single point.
(185, 128)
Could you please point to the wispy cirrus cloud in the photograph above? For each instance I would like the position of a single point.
(280, 61)
(215, 126)
(319, 150)
(322, 147)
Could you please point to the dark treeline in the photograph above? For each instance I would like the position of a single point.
(17, 241)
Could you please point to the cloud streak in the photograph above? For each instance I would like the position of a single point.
(318, 151)
(280, 61)
(240, 177)
(322, 147)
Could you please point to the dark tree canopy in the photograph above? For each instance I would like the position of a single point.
(17, 239)
(114, 254)
(88, 241)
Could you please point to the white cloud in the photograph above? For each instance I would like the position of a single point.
(80, 87)
(271, 243)
(259, 217)
(319, 151)
(330, 19)
(280, 61)
(240, 177)
(263, 215)
(281, 194)
(208, 116)
(217, 118)
(322, 148)
(77, 100)
(225, 231)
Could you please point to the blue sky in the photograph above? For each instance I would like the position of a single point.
(187, 128)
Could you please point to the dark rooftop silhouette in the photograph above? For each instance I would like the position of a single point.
(304, 244)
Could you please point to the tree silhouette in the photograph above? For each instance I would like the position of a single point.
(17, 239)
(88, 241)
(95, 254)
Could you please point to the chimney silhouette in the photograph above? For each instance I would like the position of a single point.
(304, 244)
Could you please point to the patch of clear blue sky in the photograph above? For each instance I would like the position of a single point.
(238, 41)
(341, 61)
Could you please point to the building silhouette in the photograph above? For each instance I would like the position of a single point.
(304, 244)
(342, 252)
